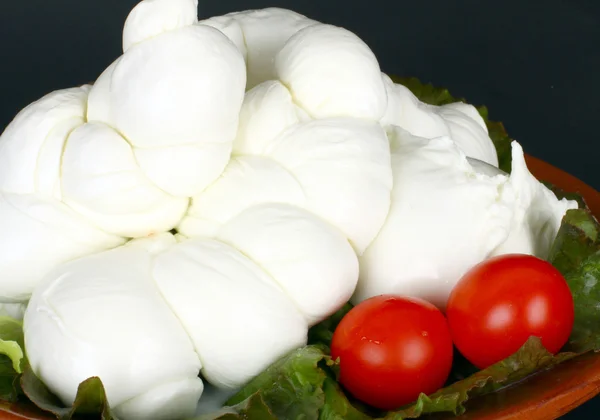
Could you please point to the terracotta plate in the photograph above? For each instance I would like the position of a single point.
(545, 396)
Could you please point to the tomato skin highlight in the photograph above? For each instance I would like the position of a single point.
(391, 349)
(494, 309)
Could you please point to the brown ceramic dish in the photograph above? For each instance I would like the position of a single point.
(545, 396)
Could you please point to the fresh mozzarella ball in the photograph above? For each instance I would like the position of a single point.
(170, 401)
(470, 134)
(39, 231)
(180, 87)
(265, 32)
(231, 28)
(483, 168)
(459, 121)
(343, 165)
(246, 182)
(154, 17)
(238, 318)
(102, 181)
(332, 73)
(338, 169)
(31, 146)
(103, 316)
(49, 166)
(407, 111)
(444, 218)
(310, 259)
(468, 110)
(99, 106)
(183, 170)
(267, 111)
(537, 211)
(183, 89)
(37, 235)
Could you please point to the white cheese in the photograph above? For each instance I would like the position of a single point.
(459, 121)
(246, 182)
(31, 145)
(267, 111)
(537, 212)
(469, 133)
(310, 259)
(183, 170)
(37, 235)
(332, 73)
(405, 110)
(182, 89)
(444, 218)
(338, 169)
(238, 318)
(103, 316)
(173, 400)
(102, 181)
(232, 29)
(265, 32)
(154, 17)
(284, 157)
(343, 165)
(468, 110)
(448, 215)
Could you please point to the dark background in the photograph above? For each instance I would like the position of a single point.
(534, 63)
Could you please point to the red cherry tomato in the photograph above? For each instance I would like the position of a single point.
(391, 349)
(500, 303)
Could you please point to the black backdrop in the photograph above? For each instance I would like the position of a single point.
(534, 63)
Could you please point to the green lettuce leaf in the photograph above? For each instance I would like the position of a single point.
(322, 333)
(532, 357)
(576, 254)
(426, 92)
(252, 408)
(12, 358)
(337, 406)
(577, 240)
(302, 386)
(439, 96)
(585, 286)
(299, 386)
(292, 387)
(90, 399)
